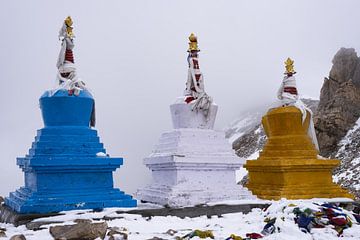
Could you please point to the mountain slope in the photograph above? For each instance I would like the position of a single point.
(348, 173)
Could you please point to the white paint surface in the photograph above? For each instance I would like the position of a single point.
(191, 165)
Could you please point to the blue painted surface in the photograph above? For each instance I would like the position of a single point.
(62, 171)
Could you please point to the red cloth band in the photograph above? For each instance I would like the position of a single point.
(291, 90)
(69, 56)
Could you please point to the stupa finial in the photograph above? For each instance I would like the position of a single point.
(193, 44)
(68, 22)
(67, 75)
(289, 66)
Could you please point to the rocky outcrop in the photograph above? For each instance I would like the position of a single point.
(339, 106)
(251, 142)
(81, 230)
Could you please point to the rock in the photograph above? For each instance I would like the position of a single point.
(18, 237)
(1, 199)
(82, 230)
(171, 232)
(156, 238)
(82, 221)
(35, 226)
(250, 142)
(119, 236)
(339, 101)
(244, 181)
(117, 233)
(2, 233)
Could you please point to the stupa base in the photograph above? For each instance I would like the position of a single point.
(24, 200)
(191, 167)
(186, 195)
(293, 179)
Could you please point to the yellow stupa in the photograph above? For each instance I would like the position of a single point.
(288, 166)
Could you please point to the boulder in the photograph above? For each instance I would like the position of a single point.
(81, 230)
(39, 225)
(18, 237)
(116, 233)
(2, 233)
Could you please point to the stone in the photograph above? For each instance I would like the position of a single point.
(83, 230)
(82, 221)
(1, 199)
(18, 237)
(122, 236)
(288, 166)
(339, 100)
(116, 233)
(62, 170)
(192, 165)
(2, 232)
(171, 232)
(38, 225)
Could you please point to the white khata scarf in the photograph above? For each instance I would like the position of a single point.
(289, 99)
(195, 88)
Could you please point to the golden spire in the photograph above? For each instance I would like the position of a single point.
(289, 66)
(193, 44)
(68, 23)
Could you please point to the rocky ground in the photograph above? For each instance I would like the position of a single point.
(284, 219)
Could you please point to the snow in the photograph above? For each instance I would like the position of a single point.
(254, 156)
(101, 154)
(240, 174)
(348, 137)
(305, 96)
(138, 227)
(348, 175)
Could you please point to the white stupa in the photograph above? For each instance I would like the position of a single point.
(193, 164)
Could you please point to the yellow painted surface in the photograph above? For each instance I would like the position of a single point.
(288, 166)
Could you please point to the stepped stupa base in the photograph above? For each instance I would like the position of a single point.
(189, 181)
(192, 166)
(24, 200)
(67, 167)
(300, 179)
(288, 166)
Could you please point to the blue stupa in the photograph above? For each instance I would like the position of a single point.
(67, 166)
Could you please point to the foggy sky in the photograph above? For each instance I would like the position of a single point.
(132, 55)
